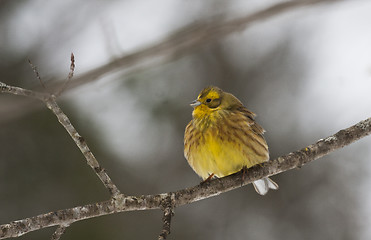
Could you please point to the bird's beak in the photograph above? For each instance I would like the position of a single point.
(195, 103)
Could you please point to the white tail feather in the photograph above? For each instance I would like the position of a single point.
(263, 185)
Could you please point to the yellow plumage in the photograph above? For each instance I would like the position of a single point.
(223, 137)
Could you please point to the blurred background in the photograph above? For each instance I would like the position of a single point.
(306, 72)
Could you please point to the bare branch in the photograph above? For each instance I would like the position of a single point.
(83, 146)
(4, 88)
(168, 213)
(166, 219)
(59, 232)
(215, 187)
(69, 77)
(50, 102)
(34, 68)
(191, 38)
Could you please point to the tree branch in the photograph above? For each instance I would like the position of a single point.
(215, 187)
(166, 219)
(69, 77)
(168, 212)
(190, 38)
(34, 68)
(59, 232)
(50, 102)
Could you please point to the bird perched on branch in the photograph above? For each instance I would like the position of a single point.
(223, 138)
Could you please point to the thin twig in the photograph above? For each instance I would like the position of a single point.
(168, 213)
(69, 77)
(59, 232)
(83, 146)
(34, 68)
(199, 192)
(50, 102)
(166, 219)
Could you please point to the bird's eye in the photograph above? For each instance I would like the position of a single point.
(208, 100)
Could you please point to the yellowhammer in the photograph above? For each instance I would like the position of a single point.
(223, 138)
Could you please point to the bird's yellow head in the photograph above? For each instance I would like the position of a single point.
(209, 98)
(212, 99)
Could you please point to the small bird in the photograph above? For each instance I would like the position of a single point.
(223, 138)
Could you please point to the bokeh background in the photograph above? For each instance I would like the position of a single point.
(305, 72)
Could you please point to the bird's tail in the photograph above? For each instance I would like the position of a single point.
(263, 185)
